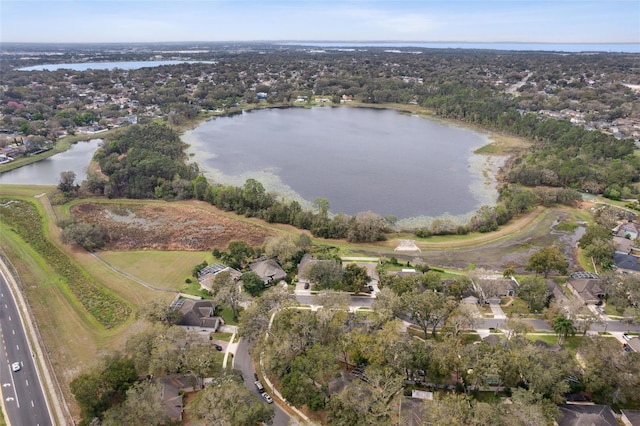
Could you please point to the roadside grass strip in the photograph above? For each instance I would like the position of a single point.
(25, 220)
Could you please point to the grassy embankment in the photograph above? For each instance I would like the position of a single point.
(73, 337)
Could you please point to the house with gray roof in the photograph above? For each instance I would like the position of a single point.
(197, 313)
(268, 270)
(586, 415)
(630, 417)
(209, 273)
(589, 289)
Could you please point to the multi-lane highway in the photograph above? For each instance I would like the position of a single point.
(22, 393)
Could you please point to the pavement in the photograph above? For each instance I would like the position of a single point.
(50, 406)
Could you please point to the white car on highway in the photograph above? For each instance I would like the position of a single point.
(15, 366)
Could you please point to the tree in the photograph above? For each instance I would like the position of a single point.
(87, 235)
(564, 327)
(143, 405)
(546, 260)
(67, 182)
(252, 283)
(232, 297)
(429, 309)
(229, 404)
(102, 386)
(367, 226)
(160, 311)
(355, 277)
(533, 290)
(239, 253)
(325, 274)
(285, 247)
(254, 319)
(607, 371)
(369, 402)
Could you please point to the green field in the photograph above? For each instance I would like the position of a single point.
(166, 269)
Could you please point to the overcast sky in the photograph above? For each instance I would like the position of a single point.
(557, 21)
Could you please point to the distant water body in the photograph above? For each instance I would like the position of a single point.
(133, 65)
(47, 171)
(546, 47)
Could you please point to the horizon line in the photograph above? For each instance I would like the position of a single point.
(319, 41)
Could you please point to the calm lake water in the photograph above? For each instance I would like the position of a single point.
(47, 171)
(358, 159)
(544, 47)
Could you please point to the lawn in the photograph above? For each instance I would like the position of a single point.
(516, 306)
(166, 269)
(227, 315)
(571, 343)
(225, 337)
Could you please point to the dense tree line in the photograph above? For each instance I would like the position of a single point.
(306, 351)
(147, 162)
(123, 388)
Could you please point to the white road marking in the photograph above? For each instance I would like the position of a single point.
(14, 332)
(4, 385)
(9, 399)
(15, 393)
(27, 382)
(9, 317)
(18, 347)
(32, 404)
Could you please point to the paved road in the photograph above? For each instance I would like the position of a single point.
(242, 361)
(22, 392)
(356, 301)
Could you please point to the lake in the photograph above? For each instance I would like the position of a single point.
(537, 47)
(359, 159)
(47, 171)
(131, 65)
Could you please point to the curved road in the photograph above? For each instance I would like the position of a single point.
(23, 397)
(242, 361)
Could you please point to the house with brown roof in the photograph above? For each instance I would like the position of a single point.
(268, 270)
(588, 288)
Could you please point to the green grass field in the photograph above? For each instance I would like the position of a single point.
(166, 269)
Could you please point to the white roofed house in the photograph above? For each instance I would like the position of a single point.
(628, 230)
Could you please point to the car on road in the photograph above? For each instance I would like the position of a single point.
(625, 336)
(267, 397)
(16, 366)
(306, 286)
(259, 385)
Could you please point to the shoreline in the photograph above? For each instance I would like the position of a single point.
(484, 165)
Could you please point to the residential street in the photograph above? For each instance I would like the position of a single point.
(242, 361)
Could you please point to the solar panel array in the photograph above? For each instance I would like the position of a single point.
(177, 304)
(585, 275)
(211, 269)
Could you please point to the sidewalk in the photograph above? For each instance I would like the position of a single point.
(232, 347)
